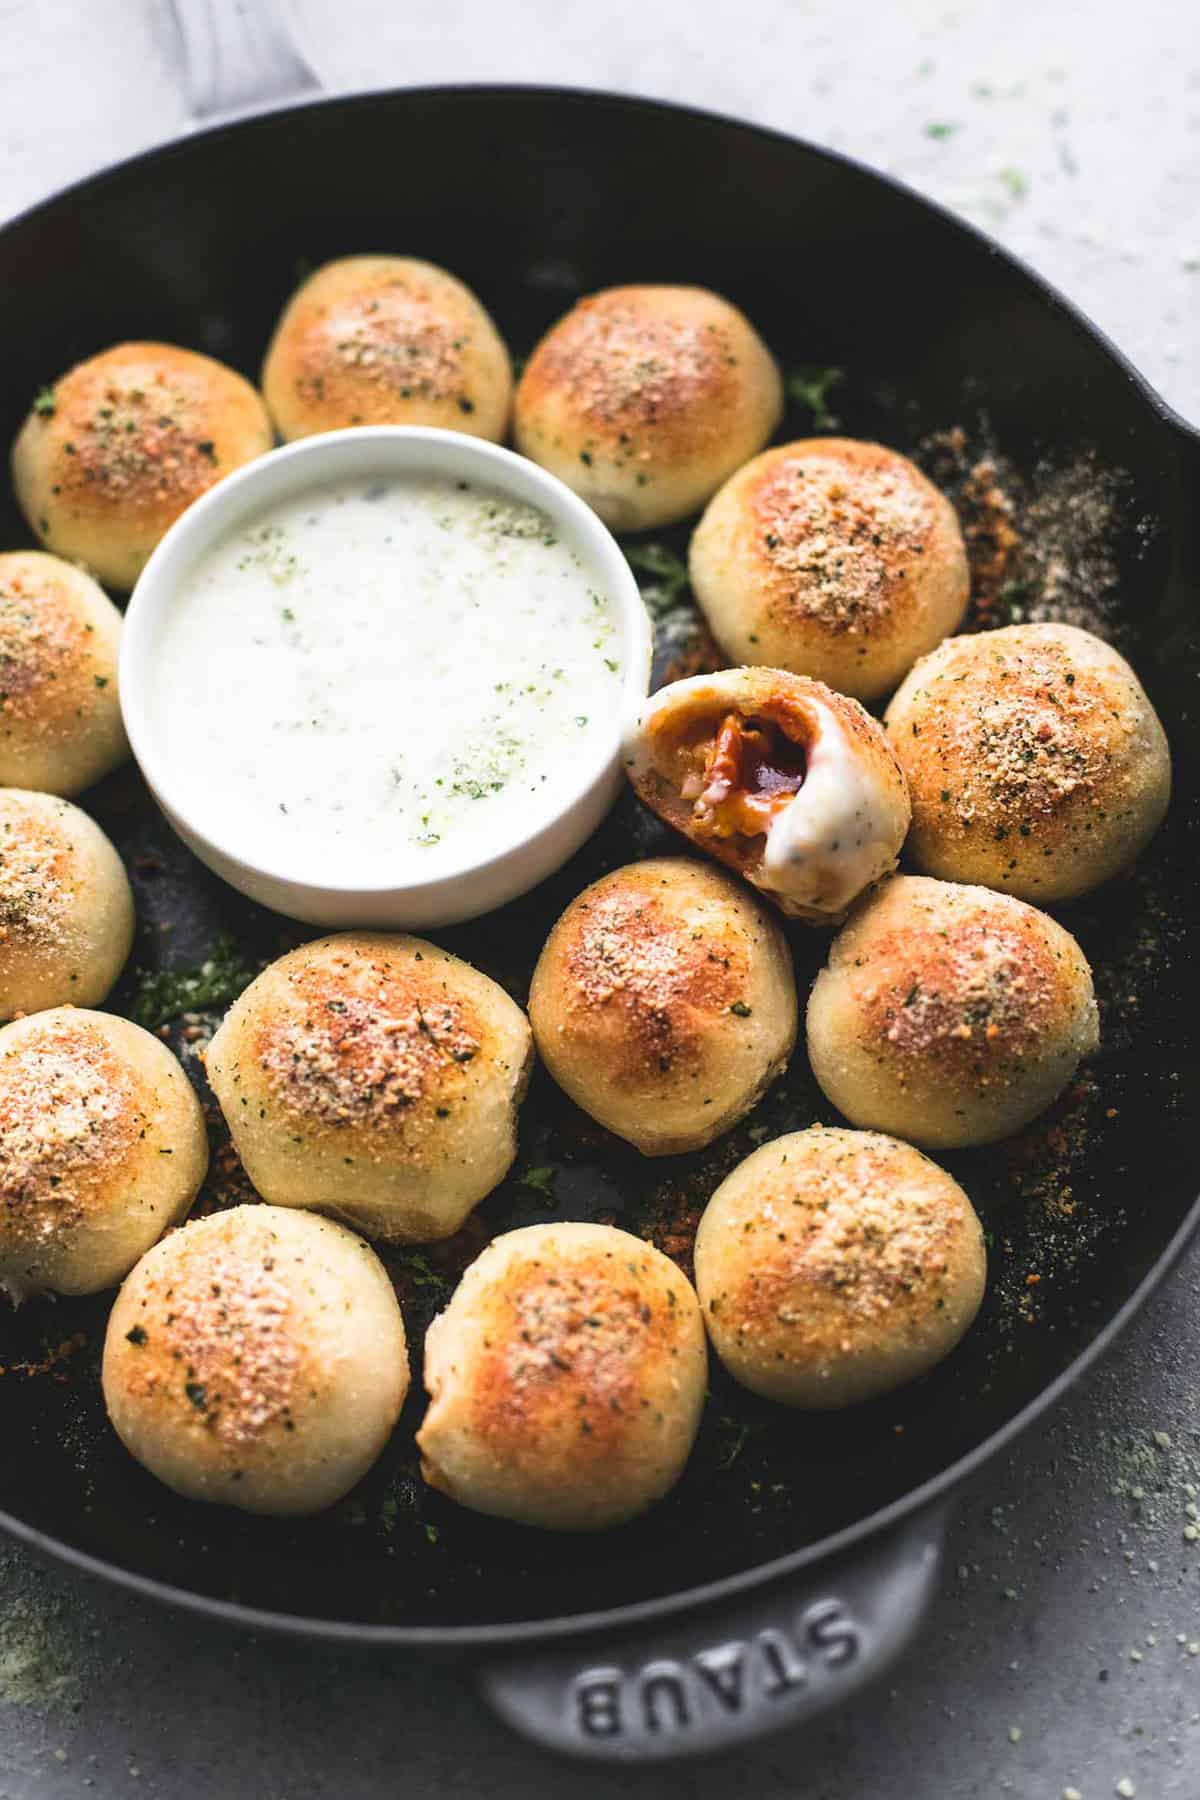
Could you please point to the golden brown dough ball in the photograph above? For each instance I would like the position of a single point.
(831, 558)
(834, 1265)
(643, 399)
(949, 1015)
(123, 443)
(566, 1379)
(386, 340)
(60, 718)
(375, 1077)
(791, 785)
(664, 1003)
(102, 1146)
(66, 910)
(257, 1358)
(1035, 760)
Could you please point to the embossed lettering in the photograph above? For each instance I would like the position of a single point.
(724, 1669)
(664, 1696)
(598, 1701)
(785, 1668)
(830, 1629)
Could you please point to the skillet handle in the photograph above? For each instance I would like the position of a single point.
(239, 56)
(730, 1672)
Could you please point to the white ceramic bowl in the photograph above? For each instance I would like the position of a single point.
(479, 884)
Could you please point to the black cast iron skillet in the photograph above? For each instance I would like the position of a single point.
(797, 1554)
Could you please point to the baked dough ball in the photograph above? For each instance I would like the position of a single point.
(102, 1146)
(60, 719)
(643, 399)
(375, 1077)
(1035, 760)
(793, 786)
(831, 558)
(257, 1358)
(834, 1265)
(123, 443)
(664, 1003)
(66, 910)
(566, 1379)
(386, 340)
(949, 1015)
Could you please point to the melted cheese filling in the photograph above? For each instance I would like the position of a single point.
(818, 827)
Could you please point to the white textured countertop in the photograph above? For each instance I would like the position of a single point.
(1069, 129)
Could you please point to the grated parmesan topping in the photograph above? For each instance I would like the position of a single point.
(136, 433)
(841, 538)
(1019, 730)
(856, 1226)
(594, 1325)
(974, 985)
(629, 948)
(363, 1057)
(227, 1326)
(33, 895)
(393, 338)
(619, 362)
(39, 642)
(67, 1110)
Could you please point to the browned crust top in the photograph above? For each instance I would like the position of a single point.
(957, 979)
(1014, 733)
(634, 360)
(49, 649)
(844, 1235)
(357, 339)
(38, 872)
(366, 1041)
(71, 1112)
(210, 1334)
(839, 531)
(638, 962)
(579, 1341)
(145, 428)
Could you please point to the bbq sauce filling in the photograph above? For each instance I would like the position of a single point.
(751, 772)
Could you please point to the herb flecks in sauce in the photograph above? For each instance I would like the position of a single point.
(437, 668)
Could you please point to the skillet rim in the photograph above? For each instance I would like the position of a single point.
(928, 1493)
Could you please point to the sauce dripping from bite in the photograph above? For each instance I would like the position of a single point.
(751, 772)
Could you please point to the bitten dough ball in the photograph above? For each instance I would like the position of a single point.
(60, 719)
(102, 1146)
(375, 1077)
(643, 399)
(257, 1358)
(66, 909)
(1035, 760)
(566, 1379)
(834, 1265)
(123, 443)
(834, 559)
(791, 785)
(949, 1015)
(386, 340)
(664, 1003)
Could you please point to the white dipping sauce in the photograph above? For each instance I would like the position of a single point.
(376, 681)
